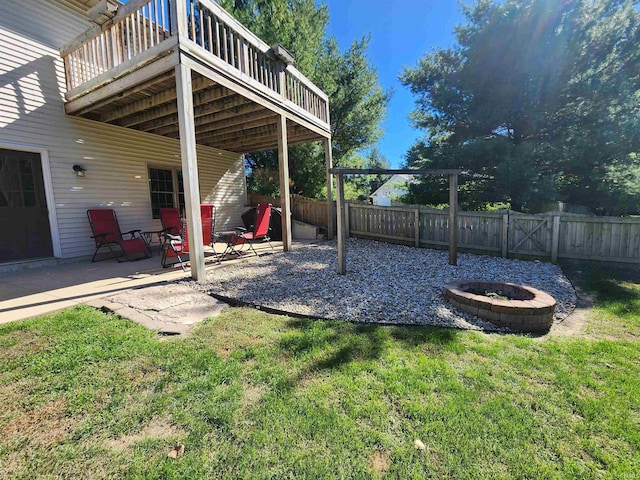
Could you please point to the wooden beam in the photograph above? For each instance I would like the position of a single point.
(168, 115)
(247, 143)
(242, 134)
(155, 100)
(342, 253)
(453, 219)
(212, 121)
(171, 108)
(238, 135)
(331, 213)
(402, 171)
(260, 117)
(190, 172)
(283, 167)
(126, 93)
(245, 128)
(260, 136)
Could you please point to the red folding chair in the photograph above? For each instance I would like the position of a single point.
(106, 233)
(171, 222)
(259, 232)
(177, 246)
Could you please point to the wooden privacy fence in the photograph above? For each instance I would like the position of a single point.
(307, 210)
(550, 236)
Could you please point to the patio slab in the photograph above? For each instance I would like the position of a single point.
(169, 309)
(27, 292)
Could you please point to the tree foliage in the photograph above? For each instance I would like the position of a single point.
(357, 103)
(538, 100)
(360, 187)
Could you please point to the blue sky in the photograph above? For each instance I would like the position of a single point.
(401, 32)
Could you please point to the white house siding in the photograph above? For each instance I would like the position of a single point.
(116, 159)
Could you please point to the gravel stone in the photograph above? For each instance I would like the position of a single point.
(385, 283)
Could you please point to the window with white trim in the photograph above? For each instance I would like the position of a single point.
(163, 191)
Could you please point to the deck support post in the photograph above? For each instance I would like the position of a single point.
(178, 12)
(453, 219)
(184, 92)
(283, 167)
(342, 228)
(331, 213)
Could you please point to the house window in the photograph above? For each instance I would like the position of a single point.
(162, 187)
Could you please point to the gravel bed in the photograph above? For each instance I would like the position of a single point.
(385, 283)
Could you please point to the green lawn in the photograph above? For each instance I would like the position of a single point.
(251, 395)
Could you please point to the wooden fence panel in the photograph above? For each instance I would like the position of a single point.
(476, 230)
(480, 230)
(530, 235)
(313, 212)
(256, 198)
(575, 237)
(388, 223)
(434, 227)
(600, 238)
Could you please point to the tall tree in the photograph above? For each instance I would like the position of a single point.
(357, 102)
(538, 100)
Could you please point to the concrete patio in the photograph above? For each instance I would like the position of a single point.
(30, 292)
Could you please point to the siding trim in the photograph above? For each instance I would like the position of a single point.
(48, 191)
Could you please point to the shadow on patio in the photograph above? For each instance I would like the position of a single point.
(31, 292)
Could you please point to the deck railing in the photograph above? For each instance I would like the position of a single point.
(137, 27)
(142, 25)
(213, 29)
(223, 36)
(306, 95)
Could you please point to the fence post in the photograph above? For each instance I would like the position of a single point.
(505, 235)
(342, 254)
(416, 227)
(555, 238)
(331, 208)
(347, 224)
(453, 219)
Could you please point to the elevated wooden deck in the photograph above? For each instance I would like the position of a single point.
(124, 72)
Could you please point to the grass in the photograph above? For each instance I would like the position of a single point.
(251, 395)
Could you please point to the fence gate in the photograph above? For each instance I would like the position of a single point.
(530, 235)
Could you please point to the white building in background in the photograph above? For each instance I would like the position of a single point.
(392, 190)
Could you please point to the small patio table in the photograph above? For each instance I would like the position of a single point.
(148, 235)
(226, 237)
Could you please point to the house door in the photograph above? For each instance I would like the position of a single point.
(24, 218)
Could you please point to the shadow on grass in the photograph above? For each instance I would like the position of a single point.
(614, 297)
(332, 345)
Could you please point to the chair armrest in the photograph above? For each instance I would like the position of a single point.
(170, 230)
(132, 233)
(241, 229)
(101, 235)
(174, 238)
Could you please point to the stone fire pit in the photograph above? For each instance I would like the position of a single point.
(517, 307)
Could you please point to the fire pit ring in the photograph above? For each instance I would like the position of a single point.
(517, 307)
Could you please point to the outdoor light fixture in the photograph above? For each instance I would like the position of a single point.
(79, 169)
